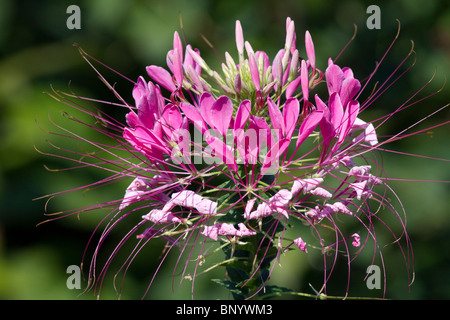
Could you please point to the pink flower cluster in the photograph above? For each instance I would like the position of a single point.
(262, 119)
(250, 157)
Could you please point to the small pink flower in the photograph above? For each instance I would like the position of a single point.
(276, 204)
(133, 193)
(226, 229)
(356, 240)
(161, 216)
(190, 199)
(321, 192)
(305, 185)
(301, 244)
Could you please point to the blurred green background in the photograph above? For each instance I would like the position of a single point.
(36, 52)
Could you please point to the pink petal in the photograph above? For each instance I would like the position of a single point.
(349, 117)
(193, 114)
(221, 113)
(254, 72)
(146, 141)
(206, 207)
(206, 103)
(249, 207)
(135, 190)
(360, 188)
(132, 119)
(178, 68)
(356, 240)
(350, 87)
(336, 111)
(326, 127)
(211, 232)
(277, 69)
(178, 59)
(309, 45)
(242, 114)
(146, 102)
(281, 198)
(265, 59)
(172, 117)
(305, 185)
(308, 126)
(161, 216)
(321, 192)
(301, 244)
(290, 33)
(263, 210)
(177, 45)
(186, 198)
(244, 231)
(292, 86)
(276, 117)
(239, 37)
(342, 208)
(222, 151)
(162, 77)
(291, 112)
(304, 81)
(334, 77)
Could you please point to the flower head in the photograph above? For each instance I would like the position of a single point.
(241, 157)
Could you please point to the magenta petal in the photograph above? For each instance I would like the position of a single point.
(222, 152)
(334, 77)
(178, 67)
(145, 103)
(162, 77)
(132, 119)
(221, 113)
(275, 115)
(211, 232)
(336, 111)
(301, 244)
(242, 114)
(177, 44)
(277, 68)
(291, 111)
(350, 87)
(290, 33)
(265, 59)
(349, 117)
(205, 104)
(141, 141)
(263, 133)
(178, 59)
(254, 72)
(292, 86)
(249, 207)
(194, 115)
(304, 81)
(309, 46)
(172, 118)
(308, 126)
(239, 37)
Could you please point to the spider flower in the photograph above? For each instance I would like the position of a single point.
(249, 159)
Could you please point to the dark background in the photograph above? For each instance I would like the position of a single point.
(36, 52)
